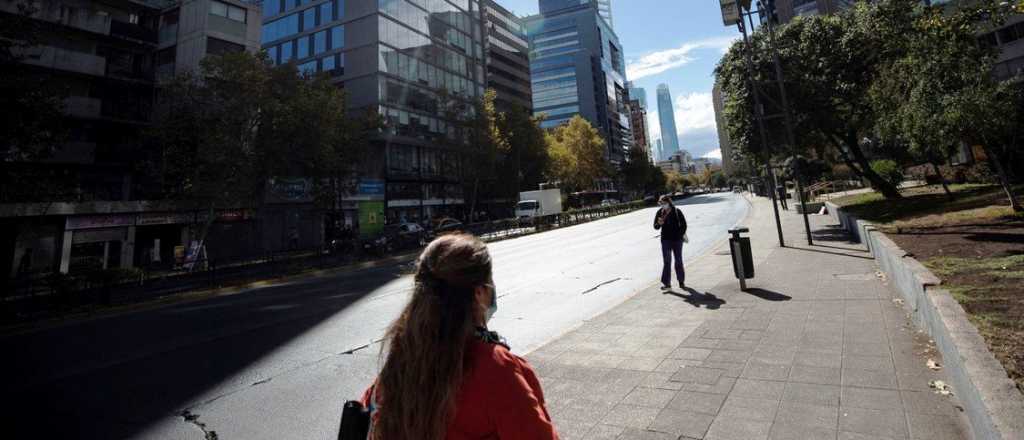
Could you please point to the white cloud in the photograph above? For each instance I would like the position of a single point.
(694, 111)
(714, 154)
(660, 61)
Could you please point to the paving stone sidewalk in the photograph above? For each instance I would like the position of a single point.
(818, 348)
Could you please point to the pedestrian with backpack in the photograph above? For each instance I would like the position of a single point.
(672, 223)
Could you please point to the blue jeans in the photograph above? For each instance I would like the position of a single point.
(668, 249)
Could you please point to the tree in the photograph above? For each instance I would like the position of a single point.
(33, 127)
(932, 98)
(829, 63)
(577, 152)
(527, 158)
(259, 122)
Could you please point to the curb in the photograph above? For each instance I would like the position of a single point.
(991, 400)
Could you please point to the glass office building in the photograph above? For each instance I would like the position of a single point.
(398, 58)
(577, 68)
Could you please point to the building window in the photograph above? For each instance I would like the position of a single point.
(225, 10)
(303, 47)
(272, 8)
(286, 52)
(337, 37)
(326, 12)
(320, 42)
(309, 19)
(216, 46)
(281, 28)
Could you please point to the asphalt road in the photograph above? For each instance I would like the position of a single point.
(278, 362)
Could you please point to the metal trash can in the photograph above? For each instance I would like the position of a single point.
(742, 257)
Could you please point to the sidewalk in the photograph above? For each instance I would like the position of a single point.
(816, 349)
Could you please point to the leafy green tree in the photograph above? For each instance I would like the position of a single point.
(577, 152)
(940, 91)
(33, 127)
(259, 122)
(829, 63)
(527, 159)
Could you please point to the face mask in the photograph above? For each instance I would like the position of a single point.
(494, 305)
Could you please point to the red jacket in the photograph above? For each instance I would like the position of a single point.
(500, 399)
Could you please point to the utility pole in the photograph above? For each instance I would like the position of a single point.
(740, 13)
(770, 24)
(733, 12)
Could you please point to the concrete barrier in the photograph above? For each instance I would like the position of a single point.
(994, 406)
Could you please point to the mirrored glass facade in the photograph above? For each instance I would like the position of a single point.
(406, 58)
(577, 68)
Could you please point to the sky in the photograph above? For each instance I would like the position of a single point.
(676, 42)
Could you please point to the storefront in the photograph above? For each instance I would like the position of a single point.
(156, 236)
(370, 207)
(98, 242)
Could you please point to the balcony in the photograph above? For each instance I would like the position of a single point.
(87, 20)
(83, 107)
(61, 59)
(132, 32)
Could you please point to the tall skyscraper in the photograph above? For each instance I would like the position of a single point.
(577, 68)
(659, 151)
(667, 118)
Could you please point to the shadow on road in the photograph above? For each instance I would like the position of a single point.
(698, 299)
(768, 295)
(700, 200)
(115, 377)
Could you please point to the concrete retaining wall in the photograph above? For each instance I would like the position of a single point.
(992, 402)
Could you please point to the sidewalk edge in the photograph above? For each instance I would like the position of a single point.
(993, 404)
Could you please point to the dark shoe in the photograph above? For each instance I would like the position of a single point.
(666, 287)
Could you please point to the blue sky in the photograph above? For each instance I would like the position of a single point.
(676, 42)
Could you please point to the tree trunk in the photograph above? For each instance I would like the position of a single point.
(945, 185)
(1003, 179)
(887, 189)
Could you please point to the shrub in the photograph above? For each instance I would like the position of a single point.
(889, 170)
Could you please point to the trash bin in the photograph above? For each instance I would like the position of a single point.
(742, 257)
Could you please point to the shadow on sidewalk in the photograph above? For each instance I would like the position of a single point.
(768, 295)
(841, 254)
(831, 233)
(698, 299)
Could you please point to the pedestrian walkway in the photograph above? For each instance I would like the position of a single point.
(817, 348)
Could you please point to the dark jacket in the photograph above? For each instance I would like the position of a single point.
(674, 227)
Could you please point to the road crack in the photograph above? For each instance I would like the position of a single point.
(600, 285)
(192, 418)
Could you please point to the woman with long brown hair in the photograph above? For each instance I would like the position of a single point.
(446, 376)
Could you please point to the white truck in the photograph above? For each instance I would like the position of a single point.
(539, 203)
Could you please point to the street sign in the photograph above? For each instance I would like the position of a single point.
(730, 12)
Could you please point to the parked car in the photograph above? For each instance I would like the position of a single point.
(404, 236)
(609, 202)
(445, 226)
(650, 201)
